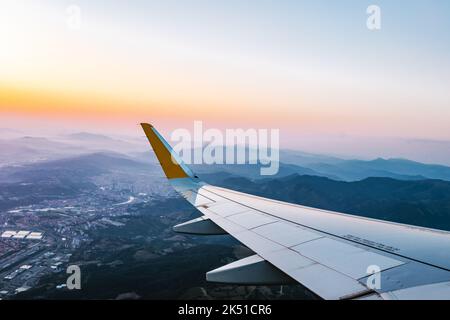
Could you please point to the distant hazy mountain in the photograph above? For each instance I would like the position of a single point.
(254, 171)
(32, 149)
(41, 143)
(99, 142)
(301, 158)
(424, 203)
(75, 168)
(7, 133)
(353, 170)
(345, 170)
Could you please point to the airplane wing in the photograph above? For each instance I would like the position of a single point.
(334, 255)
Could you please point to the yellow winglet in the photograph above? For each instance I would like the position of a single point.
(172, 166)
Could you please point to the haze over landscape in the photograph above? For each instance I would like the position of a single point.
(105, 205)
(363, 118)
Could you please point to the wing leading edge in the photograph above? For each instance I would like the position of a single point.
(335, 255)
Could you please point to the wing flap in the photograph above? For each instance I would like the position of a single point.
(436, 291)
(252, 270)
(328, 283)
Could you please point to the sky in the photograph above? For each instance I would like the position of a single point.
(309, 68)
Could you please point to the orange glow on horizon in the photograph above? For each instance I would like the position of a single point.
(73, 106)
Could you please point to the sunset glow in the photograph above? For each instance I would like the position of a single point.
(173, 62)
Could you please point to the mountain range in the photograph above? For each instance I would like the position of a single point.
(31, 149)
